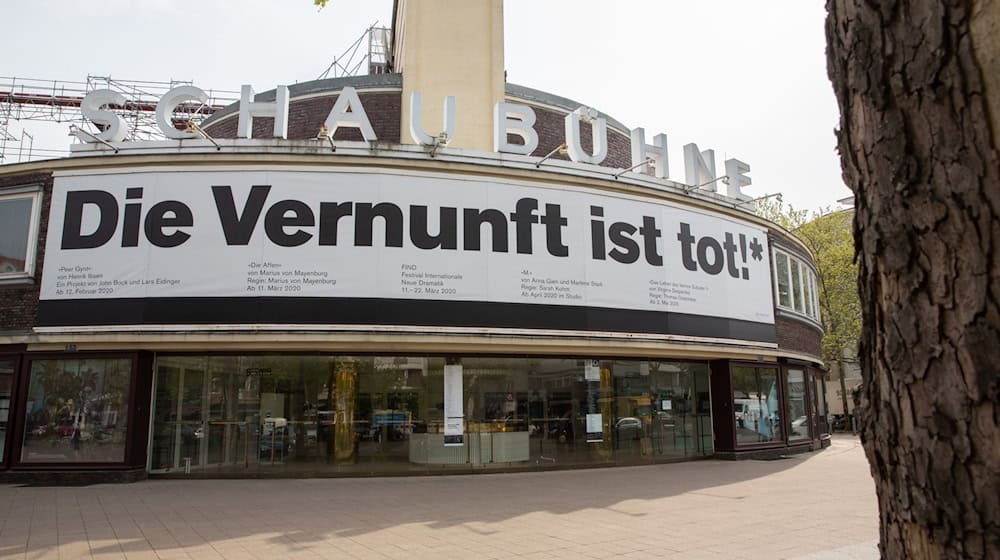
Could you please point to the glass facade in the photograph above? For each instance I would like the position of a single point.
(783, 284)
(391, 413)
(795, 399)
(795, 285)
(818, 391)
(756, 406)
(77, 411)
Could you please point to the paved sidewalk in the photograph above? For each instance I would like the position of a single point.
(816, 506)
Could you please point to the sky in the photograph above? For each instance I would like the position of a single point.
(747, 79)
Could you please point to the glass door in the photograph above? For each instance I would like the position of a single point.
(179, 441)
(795, 400)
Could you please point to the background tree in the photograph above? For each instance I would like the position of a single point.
(918, 84)
(775, 210)
(829, 236)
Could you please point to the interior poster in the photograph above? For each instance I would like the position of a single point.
(454, 417)
(239, 234)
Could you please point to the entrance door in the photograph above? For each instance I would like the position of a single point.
(179, 442)
(795, 399)
(200, 415)
(391, 396)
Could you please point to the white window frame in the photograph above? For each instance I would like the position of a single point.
(815, 289)
(807, 275)
(33, 193)
(777, 286)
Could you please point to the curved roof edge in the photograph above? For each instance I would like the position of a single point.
(396, 81)
(538, 96)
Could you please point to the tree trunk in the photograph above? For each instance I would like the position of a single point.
(917, 84)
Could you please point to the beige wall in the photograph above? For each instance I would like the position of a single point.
(452, 47)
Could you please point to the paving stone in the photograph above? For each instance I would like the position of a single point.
(819, 506)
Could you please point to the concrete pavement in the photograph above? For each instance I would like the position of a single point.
(818, 506)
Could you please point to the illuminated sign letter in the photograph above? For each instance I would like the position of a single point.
(512, 118)
(657, 152)
(250, 109)
(599, 133)
(699, 167)
(417, 129)
(169, 102)
(348, 112)
(92, 108)
(736, 170)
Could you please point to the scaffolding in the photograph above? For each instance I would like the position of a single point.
(378, 41)
(58, 101)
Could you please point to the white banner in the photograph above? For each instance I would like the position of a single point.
(385, 234)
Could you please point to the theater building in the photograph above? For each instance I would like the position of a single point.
(317, 282)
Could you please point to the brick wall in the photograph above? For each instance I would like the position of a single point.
(551, 128)
(793, 333)
(19, 302)
(305, 118)
(384, 112)
(798, 336)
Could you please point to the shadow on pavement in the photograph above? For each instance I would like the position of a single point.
(304, 511)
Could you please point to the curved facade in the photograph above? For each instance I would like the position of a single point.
(304, 306)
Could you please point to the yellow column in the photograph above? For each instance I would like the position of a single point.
(451, 47)
(346, 396)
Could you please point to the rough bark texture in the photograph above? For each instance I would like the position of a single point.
(918, 146)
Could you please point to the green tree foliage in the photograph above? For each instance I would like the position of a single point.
(774, 210)
(829, 236)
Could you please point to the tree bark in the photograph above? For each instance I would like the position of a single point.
(917, 86)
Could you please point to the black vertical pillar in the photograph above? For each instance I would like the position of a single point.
(723, 418)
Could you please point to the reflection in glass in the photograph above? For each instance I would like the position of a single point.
(819, 403)
(755, 405)
(77, 411)
(797, 286)
(386, 414)
(795, 397)
(15, 223)
(781, 267)
(807, 288)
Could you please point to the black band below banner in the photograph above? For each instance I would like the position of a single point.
(387, 312)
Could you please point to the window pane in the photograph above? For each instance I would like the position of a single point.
(797, 286)
(386, 414)
(77, 411)
(796, 400)
(755, 405)
(781, 265)
(15, 221)
(819, 404)
(815, 296)
(807, 286)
